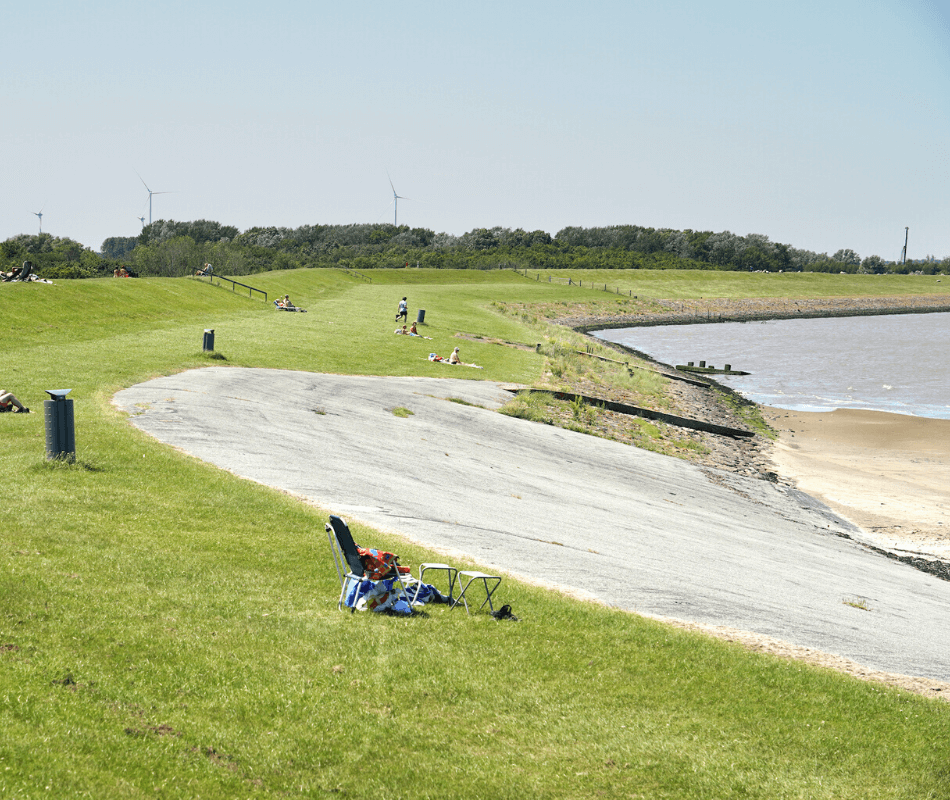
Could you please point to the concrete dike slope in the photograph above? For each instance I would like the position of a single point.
(627, 527)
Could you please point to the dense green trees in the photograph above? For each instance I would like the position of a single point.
(54, 257)
(199, 231)
(170, 248)
(119, 247)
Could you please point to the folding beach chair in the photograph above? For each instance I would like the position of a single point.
(346, 558)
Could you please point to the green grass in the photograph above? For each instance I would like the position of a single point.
(689, 284)
(170, 630)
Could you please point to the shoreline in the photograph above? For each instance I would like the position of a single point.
(887, 473)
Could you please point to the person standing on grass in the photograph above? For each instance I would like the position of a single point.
(403, 310)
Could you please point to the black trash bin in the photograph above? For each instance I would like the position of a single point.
(208, 343)
(421, 316)
(60, 429)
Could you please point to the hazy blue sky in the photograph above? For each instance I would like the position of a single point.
(820, 124)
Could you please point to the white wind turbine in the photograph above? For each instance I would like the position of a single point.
(150, 193)
(395, 203)
(40, 215)
(142, 220)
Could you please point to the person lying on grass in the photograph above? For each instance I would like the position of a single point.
(8, 402)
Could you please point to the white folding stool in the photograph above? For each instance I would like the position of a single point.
(450, 572)
(472, 576)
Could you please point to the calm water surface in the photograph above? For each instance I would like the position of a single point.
(898, 363)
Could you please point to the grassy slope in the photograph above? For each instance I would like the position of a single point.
(682, 284)
(167, 629)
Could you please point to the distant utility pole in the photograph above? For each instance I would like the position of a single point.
(904, 251)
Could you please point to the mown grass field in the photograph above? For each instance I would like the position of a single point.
(687, 284)
(169, 630)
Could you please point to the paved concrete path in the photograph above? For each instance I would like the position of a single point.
(634, 529)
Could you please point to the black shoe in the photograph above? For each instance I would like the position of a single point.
(504, 613)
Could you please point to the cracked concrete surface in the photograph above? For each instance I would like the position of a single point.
(633, 529)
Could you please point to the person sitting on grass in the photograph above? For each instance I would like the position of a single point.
(284, 304)
(413, 332)
(8, 402)
(452, 359)
(455, 359)
(205, 271)
(402, 330)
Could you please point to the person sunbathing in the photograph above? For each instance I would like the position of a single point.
(8, 402)
(284, 304)
(452, 359)
(402, 331)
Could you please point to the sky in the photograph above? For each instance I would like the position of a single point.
(823, 125)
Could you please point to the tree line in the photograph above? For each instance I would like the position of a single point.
(170, 249)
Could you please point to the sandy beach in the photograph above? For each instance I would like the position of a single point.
(889, 474)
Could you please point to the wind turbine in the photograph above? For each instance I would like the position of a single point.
(40, 215)
(150, 193)
(142, 220)
(396, 199)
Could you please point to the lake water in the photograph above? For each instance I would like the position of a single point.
(898, 363)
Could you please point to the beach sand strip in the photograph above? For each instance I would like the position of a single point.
(889, 474)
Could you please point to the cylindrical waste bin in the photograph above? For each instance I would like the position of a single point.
(421, 316)
(209, 340)
(60, 430)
